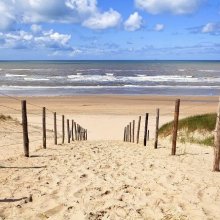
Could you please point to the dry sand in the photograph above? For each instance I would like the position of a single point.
(106, 178)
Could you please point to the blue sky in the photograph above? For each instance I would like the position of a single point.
(109, 29)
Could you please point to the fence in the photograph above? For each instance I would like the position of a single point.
(33, 126)
(142, 133)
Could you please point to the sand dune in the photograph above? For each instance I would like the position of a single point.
(111, 180)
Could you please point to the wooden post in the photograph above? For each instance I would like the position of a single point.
(75, 125)
(72, 130)
(133, 127)
(25, 128)
(68, 130)
(217, 142)
(44, 128)
(130, 132)
(157, 129)
(175, 126)
(63, 128)
(148, 135)
(146, 129)
(124, 134)
(55, 128)
(86, 134)
(138, 129)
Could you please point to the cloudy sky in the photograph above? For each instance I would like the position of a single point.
(109, 29)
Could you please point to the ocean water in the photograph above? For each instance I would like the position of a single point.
(49, 78)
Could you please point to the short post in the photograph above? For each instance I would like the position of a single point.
(130, 135)
(68, 130)
(133, 127)
(63, 129)
(148, 135)
(138, 129)
(157, 129)
(217, 142)
(175, 126)
(44, 128)
(55, 128)
(146, 129)
(25, 128)
(86, 134)
(72, 130)
(124, 134)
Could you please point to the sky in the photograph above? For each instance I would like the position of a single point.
(109, 29)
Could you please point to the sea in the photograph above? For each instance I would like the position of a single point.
(64, 78)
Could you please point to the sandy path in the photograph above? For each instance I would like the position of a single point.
(111, 180)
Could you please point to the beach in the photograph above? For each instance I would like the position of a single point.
(104, 177)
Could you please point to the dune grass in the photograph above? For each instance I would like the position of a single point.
(191, 127)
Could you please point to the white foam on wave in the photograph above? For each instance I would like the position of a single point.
(35, 79)
(96, 78)
(181, 70)
(56, 77)
(20, 69)
(210, 71)
(109, 74)
(14, 75)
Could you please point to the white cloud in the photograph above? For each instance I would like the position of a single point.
(7, 19)
(159, 27)
(104, 20)
(46, 39)
(173, 6)
(36, 28)
(208, 28)
(134, 22)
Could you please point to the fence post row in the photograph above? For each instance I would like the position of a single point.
(175, 126)
(25, 128)
(44, 128)
(146, 129)
(217, 142)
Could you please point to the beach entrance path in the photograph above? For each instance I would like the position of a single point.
(110, 180)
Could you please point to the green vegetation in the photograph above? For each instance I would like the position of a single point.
(5, 118)
(195, 129)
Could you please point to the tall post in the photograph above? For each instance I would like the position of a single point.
(146, 129)
(63, 129)
(68, 130)
(25, 128)
(124, 134)
(55, 128)
(72, 130)
(133, 127)
(44, 128)
(138, 129)
(217, 142)
(175, 126)
(130, 138)
(157, 129)
(75, 128)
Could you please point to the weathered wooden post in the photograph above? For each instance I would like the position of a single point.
(124, 134)
(25, 128)
(146, 129)
(148, 135)
(68, 130)
(86, 134)
(133, 127)
(44, 128)
(157, 129)
(75, 128)
(63, 129)
(55, 128)
(175, 126)
(72, 130)
(138, 129)
(217, 142)
(130, 132)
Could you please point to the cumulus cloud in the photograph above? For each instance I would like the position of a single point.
(134, 22)
(44, 39)
(173, 6)
(104, 20)
(208, 28)
(159, 27)
(7, 19)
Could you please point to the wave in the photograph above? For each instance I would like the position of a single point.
(181, 70)
(20, 69)
(210, 71)
(36, 79)
(109, 74)
(14, 75)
